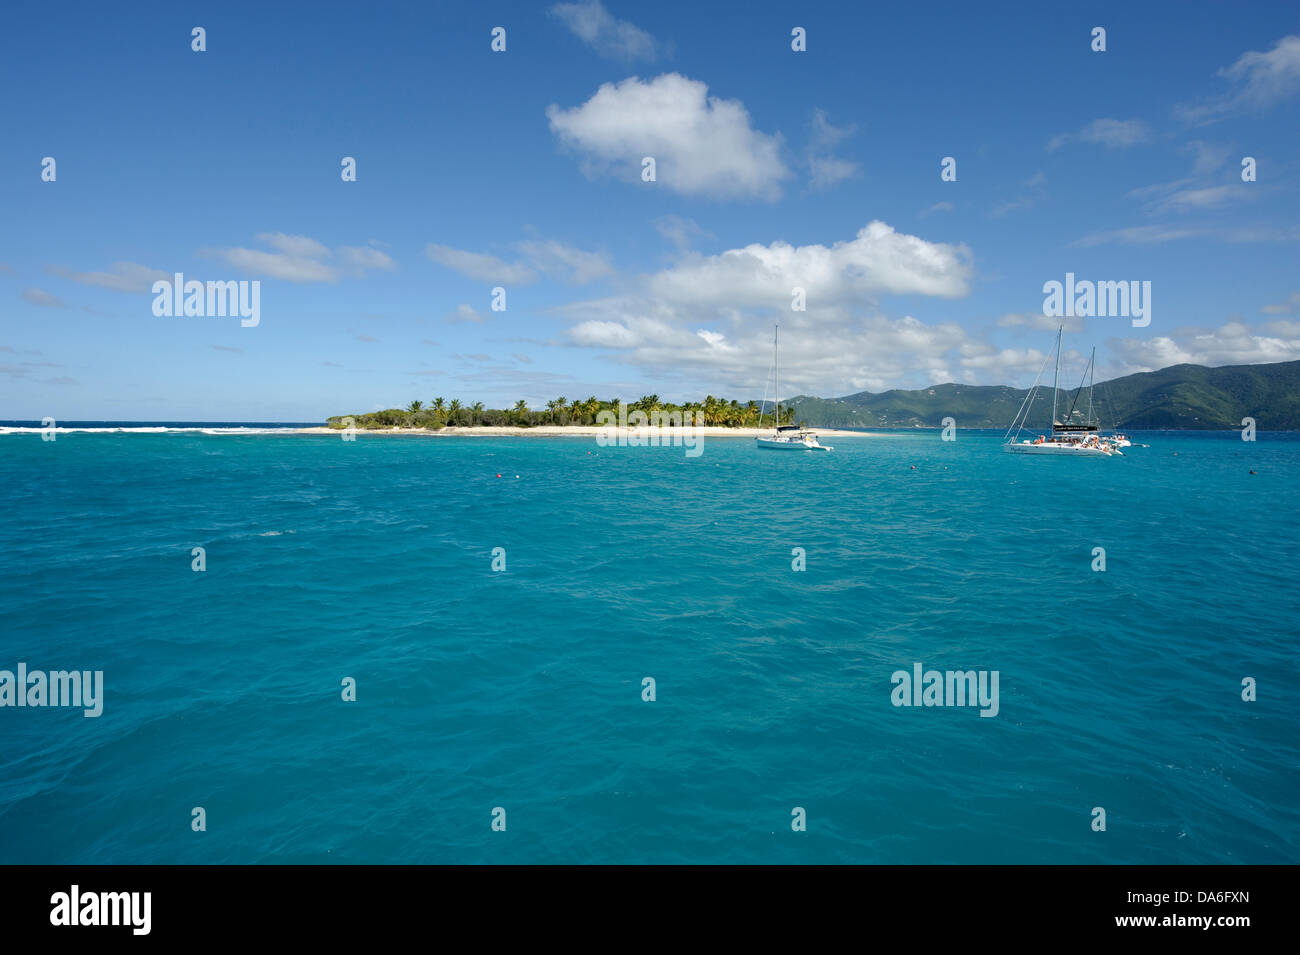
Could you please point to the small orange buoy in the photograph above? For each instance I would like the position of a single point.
(498, 475)
(913, 467)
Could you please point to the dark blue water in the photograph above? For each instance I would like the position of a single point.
(371, 559)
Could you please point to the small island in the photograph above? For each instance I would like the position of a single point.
(561, 413)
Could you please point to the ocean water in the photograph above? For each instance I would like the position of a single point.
(522, 689)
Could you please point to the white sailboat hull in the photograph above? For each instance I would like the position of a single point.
(1073, 450)
(776, 444)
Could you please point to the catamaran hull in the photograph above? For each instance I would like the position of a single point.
(771, 445)
(1060, 449)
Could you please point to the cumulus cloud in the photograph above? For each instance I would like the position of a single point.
(706, 321)
(612, 38)
(1111, 133)
(1257, 82)
(878, 260)
(1233, 343)
(702, 145)
(124, 276)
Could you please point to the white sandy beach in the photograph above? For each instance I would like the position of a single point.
(579, 431)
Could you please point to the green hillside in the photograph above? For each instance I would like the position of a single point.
(1189, 397)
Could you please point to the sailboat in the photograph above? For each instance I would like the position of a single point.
(790, 437)
(1067, 437)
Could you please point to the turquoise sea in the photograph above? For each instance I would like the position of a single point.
(522, 689)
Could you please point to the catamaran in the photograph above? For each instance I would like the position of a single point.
(1067, 436)
(790, 437)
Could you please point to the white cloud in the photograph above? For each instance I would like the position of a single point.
(615, 39)
(300, 258)
(1205, 188)
(36, 296)
(702, 145)
(1111, 133)
(937, 207)
(1033, 192)
(679, 231)
(480, 266)
(1037, 321)
(298, 246)
(366, 257)
(706, 321)
(1154, 234)
(1140, 235)
(1257, 81)
(1233, 343)
(564, 261)
(877, 261)
(875, 354)
(124, 277)
(825, 168)
(547, 257)
(463, 313)
(827, 171)
(1288, 307)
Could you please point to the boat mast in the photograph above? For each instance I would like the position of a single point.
(776, 376)
(1092, 370)
(1056, 377)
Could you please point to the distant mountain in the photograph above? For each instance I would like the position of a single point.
(1190, 397)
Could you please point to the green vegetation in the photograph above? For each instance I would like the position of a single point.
(1190, 397)
(559, 411)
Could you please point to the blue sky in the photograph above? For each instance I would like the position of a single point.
(521, 169)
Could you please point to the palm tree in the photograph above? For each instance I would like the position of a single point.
(476, 409)
(439, 405)
(415, 406)
(521, 409)
(710, 410)
(453, 410)
(575, 411)
(554, 404)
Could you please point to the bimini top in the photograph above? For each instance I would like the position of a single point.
(788, 427)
